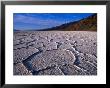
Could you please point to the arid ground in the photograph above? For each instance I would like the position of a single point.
(55, 53)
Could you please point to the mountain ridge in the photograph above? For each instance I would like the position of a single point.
(85, 24)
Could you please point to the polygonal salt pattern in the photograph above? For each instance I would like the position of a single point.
(48, 58)
(55, 53)
(20, 69)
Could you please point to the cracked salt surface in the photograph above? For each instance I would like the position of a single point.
(55, 53)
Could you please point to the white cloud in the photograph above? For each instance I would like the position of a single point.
(32, 20)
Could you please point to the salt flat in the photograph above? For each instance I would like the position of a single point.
(55, 53)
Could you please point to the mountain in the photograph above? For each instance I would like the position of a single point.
(86, 24)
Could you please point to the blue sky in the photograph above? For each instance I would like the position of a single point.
(37, 21)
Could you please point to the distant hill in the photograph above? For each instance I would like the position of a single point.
(86, 24)
(16, 30)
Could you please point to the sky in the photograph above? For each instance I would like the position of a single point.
(39, 21)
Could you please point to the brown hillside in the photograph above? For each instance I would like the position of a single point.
(87, 24)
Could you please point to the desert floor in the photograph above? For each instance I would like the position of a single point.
(55, 53)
